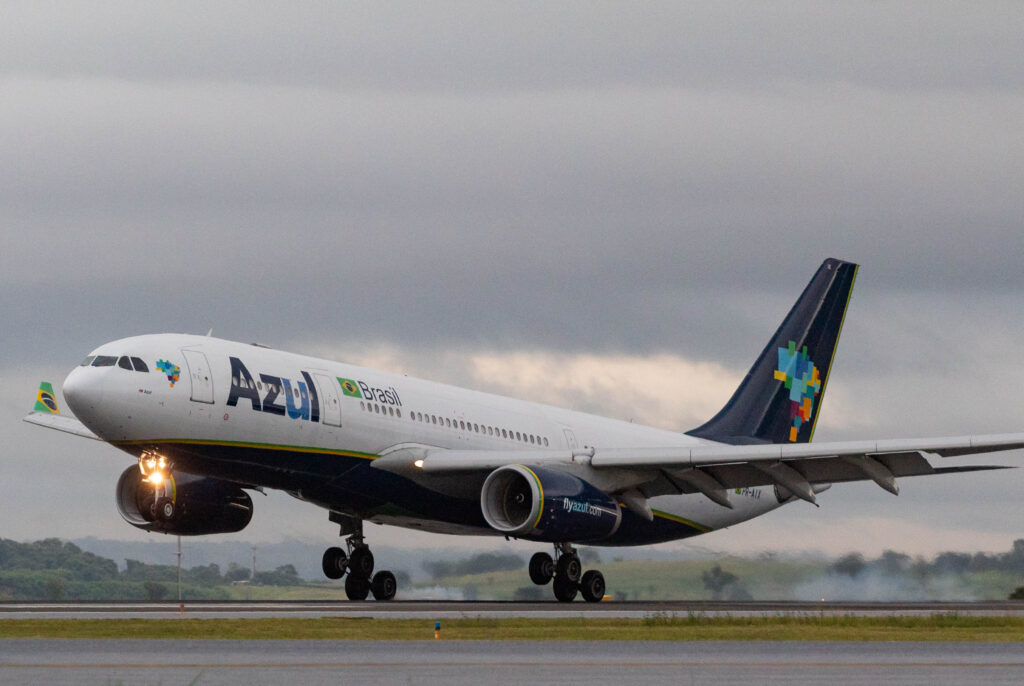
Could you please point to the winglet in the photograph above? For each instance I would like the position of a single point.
(47, 413)
(46, 401)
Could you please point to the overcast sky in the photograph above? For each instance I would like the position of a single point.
(608, 206)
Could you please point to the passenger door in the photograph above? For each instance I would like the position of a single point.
(330, 412)
(200, 375)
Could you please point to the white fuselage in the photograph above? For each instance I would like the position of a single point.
(301, 423)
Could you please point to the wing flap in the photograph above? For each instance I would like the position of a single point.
(709, 455)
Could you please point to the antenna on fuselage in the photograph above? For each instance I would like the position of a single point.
(210, 332)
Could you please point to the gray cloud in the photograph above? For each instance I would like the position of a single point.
(493, 46)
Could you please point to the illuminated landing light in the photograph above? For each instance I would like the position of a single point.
(154, 467)
(418, 464)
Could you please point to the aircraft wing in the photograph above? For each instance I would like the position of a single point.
(47, 413)
(713, 469)
(61, 423)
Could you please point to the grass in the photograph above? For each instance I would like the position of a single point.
(693, 627)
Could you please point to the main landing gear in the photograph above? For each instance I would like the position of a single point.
(568, 575)
(156, 470)
(356, 566)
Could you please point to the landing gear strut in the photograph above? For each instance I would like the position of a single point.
(567, 572)
(156, 470)
(356, 566)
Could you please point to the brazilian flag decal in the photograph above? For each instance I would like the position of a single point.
(349, 388)
(45, 400)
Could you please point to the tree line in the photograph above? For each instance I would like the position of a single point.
(55, 570)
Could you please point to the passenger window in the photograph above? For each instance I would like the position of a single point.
(531, 438)
(399, 413)
(545, 442)
(104, 361)
(476, 428)
(433, 419)
(503, 434)
(518, 437)
(139, 365)
(87, 361)
(124, 363)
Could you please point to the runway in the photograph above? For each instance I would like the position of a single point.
(56, 662)
(427, 609)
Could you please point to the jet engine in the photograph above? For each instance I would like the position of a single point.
(182, 504)
(548, 505)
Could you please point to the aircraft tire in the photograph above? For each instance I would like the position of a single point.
(165, 509)
(357, 587)
(334, 563)
(384, 585)
(569, 567)
(361, 563)
(565, 589)
(542, 568)
(592, 586)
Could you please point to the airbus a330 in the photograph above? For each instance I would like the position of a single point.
(208, 419)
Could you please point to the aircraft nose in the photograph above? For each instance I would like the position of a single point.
(81, 393)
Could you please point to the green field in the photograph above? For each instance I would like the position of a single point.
(694, 627)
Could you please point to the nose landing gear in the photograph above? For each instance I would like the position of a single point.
(156, 470)
(567, 572)
(357, 566)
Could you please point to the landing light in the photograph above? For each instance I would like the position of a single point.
(156, 478)
(418, 464)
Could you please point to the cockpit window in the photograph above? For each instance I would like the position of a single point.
(104, 361)
(87, 361)
(125, 363)
(140, 366)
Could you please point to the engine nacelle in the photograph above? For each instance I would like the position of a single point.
(198, 505)
(548, 505)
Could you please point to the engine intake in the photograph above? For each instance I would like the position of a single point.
(548, 505)
(197, 505)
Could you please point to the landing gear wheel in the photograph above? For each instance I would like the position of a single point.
(565, 588)
(361, 563)
(542, 568)
(592, 586)
(569, 567)
(165, 509)
(357, 587)
(384, 586)
(335, 562)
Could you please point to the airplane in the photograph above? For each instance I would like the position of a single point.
(208, 420)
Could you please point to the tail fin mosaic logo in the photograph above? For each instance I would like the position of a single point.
(172, 371)
(803, 381)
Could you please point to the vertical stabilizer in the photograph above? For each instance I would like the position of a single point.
(779, 400)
